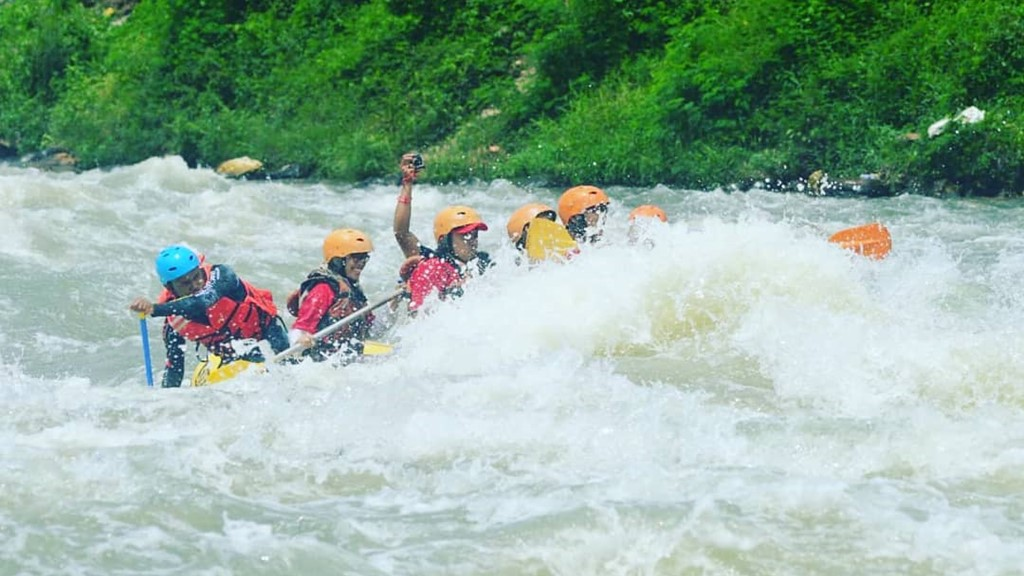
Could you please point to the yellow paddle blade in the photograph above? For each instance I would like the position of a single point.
(372, 348)
(871, 240)
(213, 371)
(546, 239)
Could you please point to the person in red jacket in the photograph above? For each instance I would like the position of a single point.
(457, 257)
(331, 293)
(210, 305)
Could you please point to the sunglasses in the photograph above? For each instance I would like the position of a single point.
(599, 208)
(469, 236)
(361, 257)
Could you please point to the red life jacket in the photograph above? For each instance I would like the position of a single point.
(440, 270)
(229, 320)
(347, 299)
(434, 274)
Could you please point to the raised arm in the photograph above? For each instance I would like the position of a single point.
(407, 241)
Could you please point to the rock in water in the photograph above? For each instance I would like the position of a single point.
(238, 167)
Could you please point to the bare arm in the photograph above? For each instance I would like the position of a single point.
(407, 241)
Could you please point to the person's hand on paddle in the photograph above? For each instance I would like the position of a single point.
(300, 338)
(141, 306)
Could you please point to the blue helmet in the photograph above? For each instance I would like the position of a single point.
(174, 262)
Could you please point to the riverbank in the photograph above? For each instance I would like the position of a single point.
(699, 94)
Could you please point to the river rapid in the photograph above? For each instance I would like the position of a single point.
(738, 397)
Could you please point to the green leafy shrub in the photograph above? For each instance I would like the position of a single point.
(42, 41)
(698, 93)
(982, 159)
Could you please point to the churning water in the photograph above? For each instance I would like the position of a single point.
(741, 398)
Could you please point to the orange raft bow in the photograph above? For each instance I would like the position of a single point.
(870, 240)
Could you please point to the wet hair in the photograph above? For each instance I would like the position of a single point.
(444, 245)
(337, 265)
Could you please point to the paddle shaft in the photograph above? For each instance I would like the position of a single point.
(144, 330)
(340, 324)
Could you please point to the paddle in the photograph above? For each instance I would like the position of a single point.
(340, 324)
(546, 239)
(374, 348)
(871, 240)
(145, 349)
(213, 370)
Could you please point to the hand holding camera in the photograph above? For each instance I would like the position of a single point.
(411, 165)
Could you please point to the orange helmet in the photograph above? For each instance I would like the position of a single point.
(523, 216)
(577, 199)
(648, 211)
(454, 217)
(341, 243)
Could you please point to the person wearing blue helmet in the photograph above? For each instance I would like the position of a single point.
(210, 305)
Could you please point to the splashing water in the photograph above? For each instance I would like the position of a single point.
(737, 395)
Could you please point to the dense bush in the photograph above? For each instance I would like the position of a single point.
(42, 41)
(699, 93)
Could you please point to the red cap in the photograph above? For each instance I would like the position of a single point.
(470, 227)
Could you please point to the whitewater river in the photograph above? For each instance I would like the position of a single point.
(742, 398)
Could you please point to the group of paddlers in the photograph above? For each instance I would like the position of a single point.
(212, 306)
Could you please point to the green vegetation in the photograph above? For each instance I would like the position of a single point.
(696, 93)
